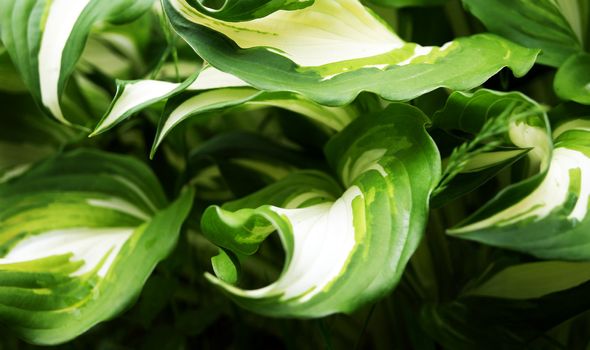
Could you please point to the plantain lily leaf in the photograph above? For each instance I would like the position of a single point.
(244, 10)
(25, 138)
(558, 27)
(9, 78)
(45, 40)
(132, 96)
(246, 161)
(343, 248)
(332, 50)
(80, 235)
(409, 3)
(212, 90)
(533, 280)
(190, 105)
(572, 81)
(493, 138)
(545, 215)
(484, 322)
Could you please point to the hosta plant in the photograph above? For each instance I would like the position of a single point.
(295, 174)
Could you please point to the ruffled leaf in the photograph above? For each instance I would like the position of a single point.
(80, 235)
(332, 50)
(343, 248)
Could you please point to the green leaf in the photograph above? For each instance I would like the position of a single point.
(500, 129)
(332, 50)
(45, 40)
(244, 10)
(80, 235)
(135, 95)
(533, 280)
(344, 248)
(210, 91)
(489, 323)
(26, 137)
(545, 215)
(247, 162)
(558, 27)
(409, 3)
(191, 105)
(9, 78)
(572, 81)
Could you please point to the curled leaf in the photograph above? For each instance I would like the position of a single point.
(343, 248)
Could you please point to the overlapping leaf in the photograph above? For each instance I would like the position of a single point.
(572, 81)
(544, 215)
(343, 248)
(332, 50)
(45, 40)
(80, 234)
(210, 91)
(485, 120)
(558, 27)
(26, 137)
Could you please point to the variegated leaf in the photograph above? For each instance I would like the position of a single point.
(332, 50)
(545, 215)
(45, 39)
(347, 241)
(212, 90)
(80, 234)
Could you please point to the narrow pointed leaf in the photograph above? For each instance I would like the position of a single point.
(80, 235)
(492, 139)
(343, 248)
(191, 105)
(332, 50)
(545, 215)
(132, 96)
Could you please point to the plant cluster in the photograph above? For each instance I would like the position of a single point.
(295, 174)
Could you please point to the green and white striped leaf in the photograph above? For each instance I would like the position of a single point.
(346, 242)
(558, 27)
(545, 215)
(210, 91)
(191, 105)
(332, 50)
(133, 96)
(80, 235)
(45, 39)
(493, 138)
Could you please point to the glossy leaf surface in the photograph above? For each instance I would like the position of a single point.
(343, 248)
